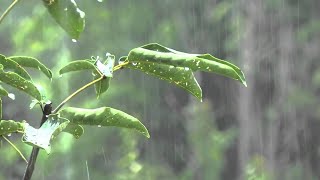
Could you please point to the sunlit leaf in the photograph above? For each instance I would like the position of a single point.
(41, 137)
(104, 116)
(77, 65)
(20, 83)
(67, 14)
(32, 63)
(154, 53)
(11, 126)
(106, 68)
(10, 65)
(182, 77)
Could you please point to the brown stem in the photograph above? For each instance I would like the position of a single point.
(35, 150)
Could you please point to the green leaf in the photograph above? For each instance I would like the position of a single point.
(74, 129)
(77, 65)
(3, 92)
(32, 63)
(50, 129)
(0, 108)
(155, 53)
(20, 83)
(67, 14)
(104, 116)
(101, 86)
(11, 65)
(182, 77)
(10, 126)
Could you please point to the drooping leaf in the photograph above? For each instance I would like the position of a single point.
(20, 83)
(104, 116)
(101, 86)
(10, 65)
(154, 53)
(41, 137)
(182, 77)
(74, 129)
(11, 126)
(67, 14)
(32, 63)
(77, 65)
(106, 68)
(3, 92)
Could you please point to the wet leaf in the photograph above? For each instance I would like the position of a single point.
(74, 129)
(77, 65)
(182, 77)
(106, 68)
(101, 86)
(104, 116)
(67, 14)
(155, 53)
(10, 65)
(20, 83)
(41, 137)
(31, 62)
(11, 126)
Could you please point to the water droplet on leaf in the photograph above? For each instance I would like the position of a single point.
(74, 40)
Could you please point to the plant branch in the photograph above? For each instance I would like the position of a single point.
(35, 150)
(6, 12)
(75, 93)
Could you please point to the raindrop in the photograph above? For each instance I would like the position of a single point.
(65, 9)
(9, 135)
(74, 40)
(134, 63)
(99, 126)
(100, 0)
(186, 68)
(11, 96)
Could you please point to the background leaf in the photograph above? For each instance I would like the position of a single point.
(11, 65)
(68, 16)
(77, 65)
(159, 54)
(32, 63)
(20, 83)
(11, 126)
(104, 116)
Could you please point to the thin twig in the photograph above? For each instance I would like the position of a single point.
(6, 12)
(14, 147)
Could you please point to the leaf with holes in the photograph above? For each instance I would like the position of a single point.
(10, 65)
(31, 62)
(77, 65)
(104, 116)
(67, 14)
(41, 137)
(182, 77)
(155, 53)
(20, 83)
(10, 126)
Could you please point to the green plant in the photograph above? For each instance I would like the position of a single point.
(153, 59)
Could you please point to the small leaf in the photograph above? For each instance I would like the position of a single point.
(106, 68)
(67, 14)
(101, 86)
(182, 77)
(74, 129)
(77, 65)
(41, 137)
(154, 53)
(10, 126)
(11, 65)
(104, 116)
(20, 83)
(32, 63)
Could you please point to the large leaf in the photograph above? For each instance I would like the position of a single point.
(155, 53)
(32, 63)
(10, 126)
(67, 14)
(104, 116)
(182, 77)
(77, 65)
(41, 137)
(11, 65)
(20, 83)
